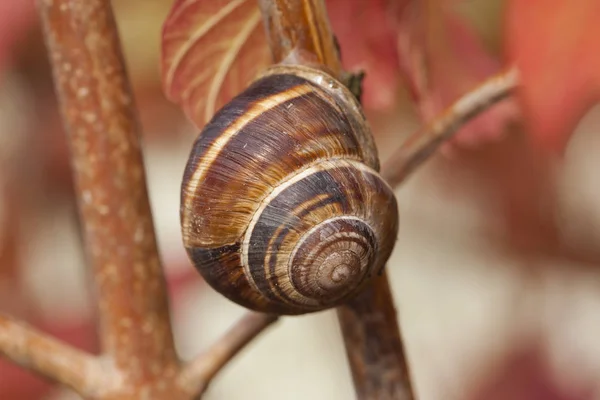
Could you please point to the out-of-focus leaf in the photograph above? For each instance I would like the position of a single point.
(211, 50)
(140, 21)
(442, 58)
(367, 39)
(554, 43)
(16, 18)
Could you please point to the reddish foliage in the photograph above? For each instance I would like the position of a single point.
(524, 375)
(368, 41)
(419, 41)
(229, 47)
(211, 50)
(441, 59)
(16, 17)
(422, 41)
(555, 46)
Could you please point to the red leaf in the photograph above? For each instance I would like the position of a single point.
(554, 43)
(211, 50)
(442, 58)
(365, 31)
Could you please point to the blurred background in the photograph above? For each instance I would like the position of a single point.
(496, 270)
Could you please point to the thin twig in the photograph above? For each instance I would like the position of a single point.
(419, 147)
(47, 356)
(196, 375)
(98, 111)
(369, 326)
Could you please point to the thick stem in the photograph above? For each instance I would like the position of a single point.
(98, 111)
(196, 375)
(420, 146)
(374, 344)
(49, 357)
(368, 322)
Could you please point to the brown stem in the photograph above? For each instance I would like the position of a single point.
(56, 360)
(374, 344)
(98, 112)
(196, 375)
(368, 322)
(299, 29)
(419, 147)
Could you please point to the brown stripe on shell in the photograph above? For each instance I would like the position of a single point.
(252, 168)
(247, 100)
(208, 150)
(374, 202)
(341, 95)
(283, 221)
(219, 203)
(222, 269)
(333, 260)
(348, 189)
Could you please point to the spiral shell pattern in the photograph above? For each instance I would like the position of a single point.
(282, 207)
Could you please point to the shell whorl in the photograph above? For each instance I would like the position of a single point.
(282, 208)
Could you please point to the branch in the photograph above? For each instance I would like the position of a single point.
(299, 30)
(196, 375)
(49, 357)
(98, 112)
(374, 345)
(419, 147)
(368, 322)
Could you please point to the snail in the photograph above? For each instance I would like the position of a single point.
(282, 207)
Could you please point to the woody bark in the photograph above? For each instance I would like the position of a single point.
(103, 131)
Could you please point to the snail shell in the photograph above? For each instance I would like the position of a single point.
(282, 207)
